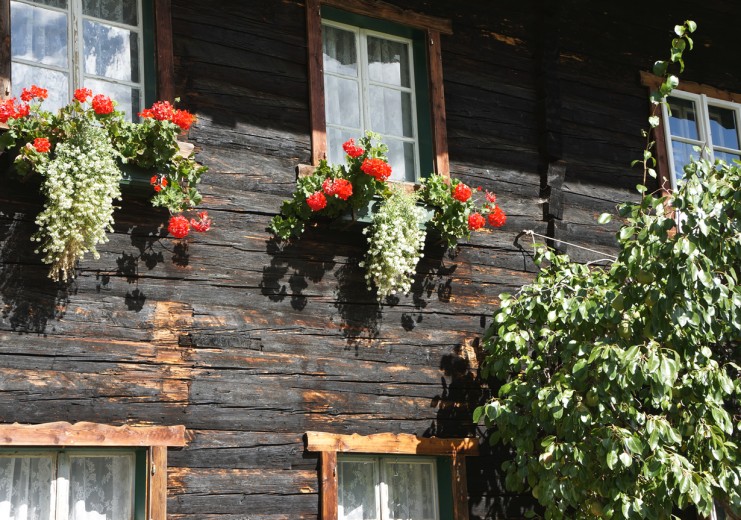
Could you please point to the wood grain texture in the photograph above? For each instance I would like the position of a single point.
(437, 104)
(316, 81)
(5, 78)
(393, 13)
(163, 43)
(329, 485)
(90, 434)
(389, 443)
(157, 492)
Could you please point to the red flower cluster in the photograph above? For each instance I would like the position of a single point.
(497, 218)
(178, 226)
(476, 221)
(164, 111)
(490, 197)
(27, 94)
(9, 109)
(352, 149)
(102, 104)
(42, 145)
(377, 168)
(158, 181)
(461, 192)
(203, 223)
(82, 94)
(342, 188)
(316, 201)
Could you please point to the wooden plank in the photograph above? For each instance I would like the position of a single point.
(392, 13)
(328, 469)
(460, 487)
(437, 104)
(316, 81)
(158, 483)
(90, 434)
(393, 443)
(4, 49)
(653, 81)
(165, 62)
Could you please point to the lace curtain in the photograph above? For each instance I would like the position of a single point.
(90, 487)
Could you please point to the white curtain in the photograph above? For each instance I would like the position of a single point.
(26, 488)
(411, 491)
(101, 487)
(357, 493)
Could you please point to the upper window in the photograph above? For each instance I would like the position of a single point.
(63, 45)
(699, 121)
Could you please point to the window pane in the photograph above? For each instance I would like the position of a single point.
(111, 51)
(56, 82)
(357, 490)
(340, 52)
(335, 138)
(723, 127)
(127, 97)
(683, 119)
(391, 112)
(123, 11)
(411, 491)
(342, 101)
(26, 487)
(101, 487)
(61, 4)
(401, 158)
(727, 157)
(388, 61)
(681, 152)
(38, 34)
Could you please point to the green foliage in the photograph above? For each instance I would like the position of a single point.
(451, 215)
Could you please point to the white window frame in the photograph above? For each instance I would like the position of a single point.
(702, 102)
(380, 472)
(61, 466)
(363, 78)
(75, 48)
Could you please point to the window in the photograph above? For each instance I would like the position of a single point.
(377, 68)
(85, 471)
(392, 476)
(109, 46)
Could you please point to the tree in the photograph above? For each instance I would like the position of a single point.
(621, 384)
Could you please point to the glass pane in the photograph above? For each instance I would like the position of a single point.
(128, 98)
(55, 82)
(388, 62)
(335, 138)
(340, 53)
(401, 158)
(101, 487)
(111, 51)
(26, 487)
(723, 127)
(727, 157)
(38, 34)
(411, 491)
(342, 101)
(357, 490)
(123, 11)
(61, 4)
(681, 152)
(391, 112)
(683, 118)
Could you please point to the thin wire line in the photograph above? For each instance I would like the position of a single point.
(533, 234)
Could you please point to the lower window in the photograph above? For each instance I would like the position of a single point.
(73, 484)
(387, 488)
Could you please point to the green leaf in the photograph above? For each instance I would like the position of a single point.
(612, 458)
(626, 459)
(604, 218)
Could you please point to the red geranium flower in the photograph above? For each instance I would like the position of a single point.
(22, 110)
(178, 226)
(316, 201)
(461, 192)
(352, 149)
(497, 218)
(102, 104)
(377, 168)
(476, 221)
(27, 94)
(42, 144)
(82, 94)
(342, 188)
(490, 197)
(183, 119)
(9, 109)
(203, 223)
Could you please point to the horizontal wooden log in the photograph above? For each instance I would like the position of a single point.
(90, 434)
(389, 443)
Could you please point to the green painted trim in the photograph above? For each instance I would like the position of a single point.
(150, 65)
(140, 485)
(421, 74)
(445, 487)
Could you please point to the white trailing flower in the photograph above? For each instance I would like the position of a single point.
(395, 244)
(80, 183)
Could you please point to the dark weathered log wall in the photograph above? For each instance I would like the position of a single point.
(250, 343)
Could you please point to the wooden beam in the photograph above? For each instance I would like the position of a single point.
(90, 434)
(390, 443)
(158, 483)
(653, 81)
(328, 469)
(163, 42)
(5, 49)
(437, 104)
(316, 81)
(460, 487)
(392, 13)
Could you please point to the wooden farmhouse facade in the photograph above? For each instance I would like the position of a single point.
(231, 375)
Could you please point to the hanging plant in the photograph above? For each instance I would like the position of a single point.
(78, 153)
(395, 237)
